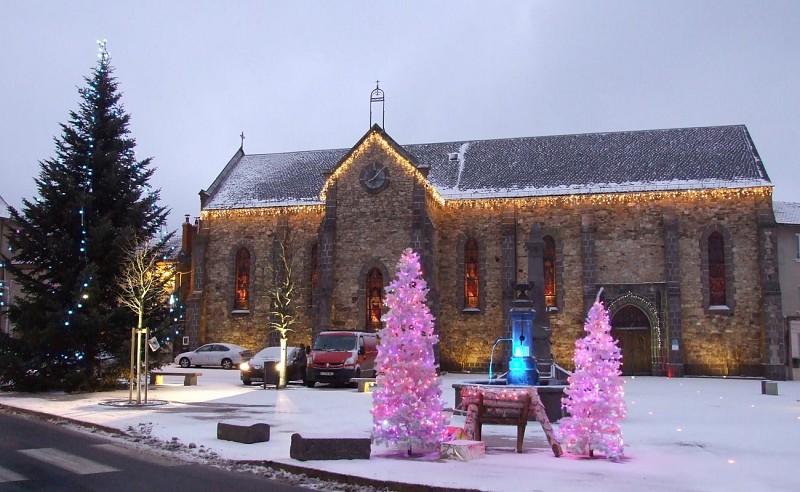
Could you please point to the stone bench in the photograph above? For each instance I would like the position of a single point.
(189, 378)
(769, 388)
(364, 384)
(329, 448)
(245, 434)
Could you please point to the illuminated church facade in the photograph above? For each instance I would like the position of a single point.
(676, 226)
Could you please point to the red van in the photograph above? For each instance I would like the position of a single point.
(338, 356)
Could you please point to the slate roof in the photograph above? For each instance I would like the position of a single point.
(787, 213)
(648, 160)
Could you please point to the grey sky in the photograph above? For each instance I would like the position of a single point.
(297, 76)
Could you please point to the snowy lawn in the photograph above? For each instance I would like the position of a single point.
(689, 434)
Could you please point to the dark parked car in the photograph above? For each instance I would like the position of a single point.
(266, 362)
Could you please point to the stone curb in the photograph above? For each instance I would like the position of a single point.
(49, 416)
(350, 479)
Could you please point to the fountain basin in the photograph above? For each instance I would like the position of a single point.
(550, 395)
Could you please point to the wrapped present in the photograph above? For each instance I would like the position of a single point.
(462, 450)
(454, 433)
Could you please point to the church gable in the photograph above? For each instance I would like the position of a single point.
(375, 162)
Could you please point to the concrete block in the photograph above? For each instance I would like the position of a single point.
(462, 450)
(329, 448)
(769, 388)
(245, 434)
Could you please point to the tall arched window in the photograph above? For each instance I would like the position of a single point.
(716, 270)
(471, 275)
(242, 284)
(374, 299)
(549, 258)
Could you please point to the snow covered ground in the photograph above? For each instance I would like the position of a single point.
(689, 434)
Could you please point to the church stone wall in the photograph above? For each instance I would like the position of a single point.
(563, 223)
(251, 330)
(466, 337)
(370, 229)
(629, 246)
(373, 229)
(726, 342)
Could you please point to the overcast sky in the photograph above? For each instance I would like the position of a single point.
(298, 75)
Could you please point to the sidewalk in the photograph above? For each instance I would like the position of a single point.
(681, 435)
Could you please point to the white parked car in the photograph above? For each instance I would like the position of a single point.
(226, 355)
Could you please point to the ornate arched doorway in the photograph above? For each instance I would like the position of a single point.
(631, 327)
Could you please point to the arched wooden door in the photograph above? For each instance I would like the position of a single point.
(631, 328)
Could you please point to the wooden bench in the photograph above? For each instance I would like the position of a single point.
(364, 384)
(189, 378)
(505, 407)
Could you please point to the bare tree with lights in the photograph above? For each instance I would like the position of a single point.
(281, 296)
(143, 286)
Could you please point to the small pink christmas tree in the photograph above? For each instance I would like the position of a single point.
(407, 406)
(595, 398)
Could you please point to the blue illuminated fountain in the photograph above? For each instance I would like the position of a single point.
(522, 368)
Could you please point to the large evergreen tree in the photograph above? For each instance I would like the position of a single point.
(93, 200)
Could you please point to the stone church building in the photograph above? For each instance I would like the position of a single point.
(676, 226)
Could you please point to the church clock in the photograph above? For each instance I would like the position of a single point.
(375, 177)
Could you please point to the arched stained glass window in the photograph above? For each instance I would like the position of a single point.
(374, 299)
(242, 282)
(549, 258)
(716, 270)
(471, 275)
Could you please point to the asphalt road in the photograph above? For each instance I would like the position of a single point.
(40, 455)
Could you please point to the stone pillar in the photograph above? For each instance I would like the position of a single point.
(194, 302)
(588, 260)
(508, 264)
(771, 311)
(326, 243)
(422, 241)
(541, 323)
(672, 309)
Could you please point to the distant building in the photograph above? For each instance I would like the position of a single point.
(787, 216)
(9, 289)
(675, 225)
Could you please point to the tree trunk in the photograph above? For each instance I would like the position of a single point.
(282, 373)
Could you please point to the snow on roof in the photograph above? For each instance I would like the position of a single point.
(648, 160)
(787, 213)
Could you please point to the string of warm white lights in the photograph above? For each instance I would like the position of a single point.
(262, 211)
(375, 138)
(717, 194)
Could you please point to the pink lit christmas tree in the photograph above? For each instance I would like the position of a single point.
(595, 398)
(407, 406)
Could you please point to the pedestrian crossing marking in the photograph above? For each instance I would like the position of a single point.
(67, 461)
(7, 475)
(134, 454)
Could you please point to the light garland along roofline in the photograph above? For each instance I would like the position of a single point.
(261, 211)
(594, 199)
(375, 138)
(612, 198)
